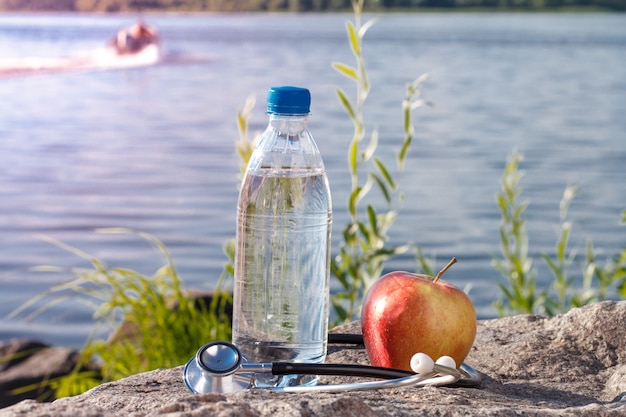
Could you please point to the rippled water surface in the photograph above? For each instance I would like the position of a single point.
(152, 147)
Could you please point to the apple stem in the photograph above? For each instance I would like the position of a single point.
(444, 269)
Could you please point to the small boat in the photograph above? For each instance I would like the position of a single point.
(136, 45)
(135, 39)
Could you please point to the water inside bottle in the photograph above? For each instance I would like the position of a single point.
(281, 283)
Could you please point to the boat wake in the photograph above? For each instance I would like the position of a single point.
(107, 58)
(101, 59)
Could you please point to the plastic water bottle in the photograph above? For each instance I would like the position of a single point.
(283, 244)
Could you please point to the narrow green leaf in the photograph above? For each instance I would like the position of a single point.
(501, 203)
(345, 102)
(407, 116)
(366, 26)
(349, 235)
(551, 264)
(365, 83)
(385, 173)
(423, 262)
(386, 220)
(507, 292)
(420, 103)
(568, 195)
(343, 296)
(404, 150)
(382, 186)
(346, 70)
(371, 214)
(249, 104)
(367, 236)
(367, 187)
(371, 147)
(342, 278)
(562, 243)
(517, 213)
(353, 153)
(357, 194)
(389, 252)
(420, 80)
(67, 247)
(353, 38)
(242, 124)
(353, 200)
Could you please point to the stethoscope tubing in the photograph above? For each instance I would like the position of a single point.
(465, 376)
(414, 380)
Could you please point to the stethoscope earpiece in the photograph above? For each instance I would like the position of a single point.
(220, 367)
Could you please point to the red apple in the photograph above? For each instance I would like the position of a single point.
(405, 313)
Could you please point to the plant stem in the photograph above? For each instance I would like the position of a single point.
(444, 269)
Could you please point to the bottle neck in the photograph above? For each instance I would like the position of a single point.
(288, 123)
(286, 145)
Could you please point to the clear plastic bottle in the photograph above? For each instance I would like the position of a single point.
(283, 244)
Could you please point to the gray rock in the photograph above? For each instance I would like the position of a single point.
(25, 365)
(569, 365)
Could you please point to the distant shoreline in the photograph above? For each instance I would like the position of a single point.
(261, 6)
(155, 12)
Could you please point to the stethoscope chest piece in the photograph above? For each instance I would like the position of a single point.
(214, 369)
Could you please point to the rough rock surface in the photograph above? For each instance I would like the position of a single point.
(569, 365)
(25, 363)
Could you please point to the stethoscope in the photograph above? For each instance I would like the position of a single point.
(220, 367)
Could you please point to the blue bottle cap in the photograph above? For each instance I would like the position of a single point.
(288, 100)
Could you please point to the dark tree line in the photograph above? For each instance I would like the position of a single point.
(298, 5)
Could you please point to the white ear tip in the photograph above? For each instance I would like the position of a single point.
(421, 363)
(446, 361)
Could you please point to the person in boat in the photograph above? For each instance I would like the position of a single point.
(135, 38)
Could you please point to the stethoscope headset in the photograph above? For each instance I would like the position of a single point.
(220, 367)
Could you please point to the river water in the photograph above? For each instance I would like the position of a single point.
(152, 147)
